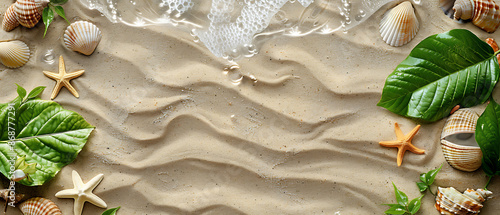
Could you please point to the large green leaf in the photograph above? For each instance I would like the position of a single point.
(45, 133)
(442, 71)
(488, 138)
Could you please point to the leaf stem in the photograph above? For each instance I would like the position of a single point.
(488, 183)
(497, 52)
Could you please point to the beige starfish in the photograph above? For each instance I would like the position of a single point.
(83, 193)
(403, 143)
(63, 78)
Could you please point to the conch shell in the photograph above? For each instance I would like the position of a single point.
(39, 206)
(29, 12)
(4, 193)
(485, 14)
(450, 202)
(399, 25)
(10, 21)
(458, 143)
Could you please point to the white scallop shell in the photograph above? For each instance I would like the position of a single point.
(29, 12)
(458, 143)
(39, 206)
(10, 21)
(83, 37)
(485, 14)
(14, 53)
(399, 25)
(450, 202)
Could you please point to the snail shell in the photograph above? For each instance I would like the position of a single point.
(4, 193)
(399, 25)
(39, 206)
(83, 37)
(485, 14)
(14, 53)
(458, 143)
(450, 202)
(10, 21)
(29, 12)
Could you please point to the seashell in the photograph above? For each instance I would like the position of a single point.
(449, 201)
(485, 14)
(494, 46)
(447, 7)
(39, 206)
(29, 12)
(10, 21)
(4, 193)
(83, 37)
(399, 25)
(14, 53)
(458, 142)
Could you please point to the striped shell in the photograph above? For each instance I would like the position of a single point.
(6, 194)
(399, 25)
(10, 21)
(458, 143)
(485, 14)
(29, 12)
(447, 7)
(83, 37)
(450, 202)
(14, 53)
(39, 206)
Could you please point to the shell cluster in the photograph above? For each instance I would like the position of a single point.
(399, 25)
(83, 37)
(450, 201)
(485, 14)
(458, 143)
(23, 12)
(39, 206)
(14, 53)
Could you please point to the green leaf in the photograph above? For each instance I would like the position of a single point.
(47, 16)
(423, 177)
(58, 2)
(35, 92)
(45, 133)
(488, 138)
(414, 205)
(442, 71)
(59, 10)
(396, 209)
(431, 175)
(21, 91)
(111, 211)
(422, 186)
(401, 197)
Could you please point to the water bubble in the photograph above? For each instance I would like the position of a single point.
(233, 73)
(49, 56)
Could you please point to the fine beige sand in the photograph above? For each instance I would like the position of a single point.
(298, 135)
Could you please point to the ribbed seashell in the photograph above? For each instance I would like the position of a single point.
(10, 21)
(399, 25)
(458, 141)
(449, 201)
(83, 37)
(29, 12)
(39, 206)
(447, 7)
(14, 53)
(485, 14)
(4, 193)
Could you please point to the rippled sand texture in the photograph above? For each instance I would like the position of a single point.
(175, 134)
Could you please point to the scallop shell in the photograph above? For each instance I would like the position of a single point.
(29, 12)
(399, 25)
(449, 201)
(14, 53)
(4, 193)
(485, 14)
(39, 206)
(458, 143)
(83, 37)
(10, 21)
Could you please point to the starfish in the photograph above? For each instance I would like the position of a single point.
(63, 78)
(403, 143)
(83, 192)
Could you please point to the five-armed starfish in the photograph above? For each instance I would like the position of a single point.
(403, 142)
(63, 78)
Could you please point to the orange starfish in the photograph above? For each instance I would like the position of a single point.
(403, 142)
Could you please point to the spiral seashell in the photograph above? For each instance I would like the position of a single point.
(14, 53)
(399, 25)
(83, 37)
(29, 12)
(458, 143)
(39, 206)
(447, 7)
(450, 202)
(10, 21)
(485, 14)
(494, 46)
(5, 194)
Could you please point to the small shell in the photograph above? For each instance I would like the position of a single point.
(485, 14)
(29, 12)
(83, 37)
(399, 25)
(14, 53)
(458, 143)
(4, 193)
(450, 202)
(39, 206)
(494, 46)
(10, 21)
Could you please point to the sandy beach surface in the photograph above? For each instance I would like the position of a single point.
(293, 130)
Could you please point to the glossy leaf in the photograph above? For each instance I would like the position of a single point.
(442, 71)
(422, 186)
(35, 92)
(396, 209)
(488, 138)
(431, 175)
(58, 2)
(21, 91)
(47, 16)
(45, 133)
(414, 205)
(60, 11)
(401, 197)
(111, 211)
